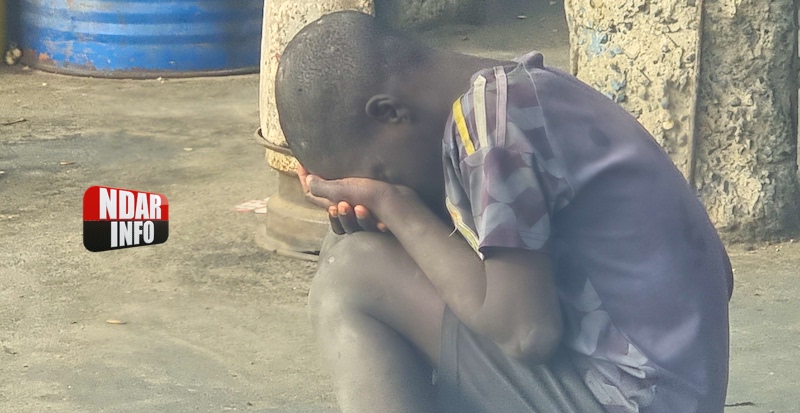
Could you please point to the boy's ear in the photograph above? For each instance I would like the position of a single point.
(387, 109)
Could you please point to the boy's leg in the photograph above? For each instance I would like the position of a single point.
(378, 322)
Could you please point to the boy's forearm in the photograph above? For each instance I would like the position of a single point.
(452, 266)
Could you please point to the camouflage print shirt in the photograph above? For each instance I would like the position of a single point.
(535, 159)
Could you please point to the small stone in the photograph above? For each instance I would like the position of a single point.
(668, 125)
(522, 17)
(44, 84)
(16, 53)
(188, 149)
(26, 68)
(735, 102)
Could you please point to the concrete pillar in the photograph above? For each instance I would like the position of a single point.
(747, 140)
(292, 225)
(714, 84)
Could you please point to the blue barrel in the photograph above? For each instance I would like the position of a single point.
(142, 38)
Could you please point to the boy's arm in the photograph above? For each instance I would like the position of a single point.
(508, 297)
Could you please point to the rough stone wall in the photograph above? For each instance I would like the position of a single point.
(747, 142)
(641, 54)
(426, 13)
(741, 153)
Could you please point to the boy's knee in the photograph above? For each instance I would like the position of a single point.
(349, 273)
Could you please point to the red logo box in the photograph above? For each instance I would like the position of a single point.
(116, 218)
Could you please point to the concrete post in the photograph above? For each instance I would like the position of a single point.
(714, 83)
(747, 137)
(293, 225)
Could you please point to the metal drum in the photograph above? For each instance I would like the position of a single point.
(2, 27)
(142, 38)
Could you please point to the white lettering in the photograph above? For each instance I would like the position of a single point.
(149, 232)
(125, 233)
(141, 206)
(108, 203)
(137, 228)
(114, 234)
(155, 206)
(125, 205)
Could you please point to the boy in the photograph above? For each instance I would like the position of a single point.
(586, 277)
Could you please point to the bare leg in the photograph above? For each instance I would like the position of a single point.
(378, 321)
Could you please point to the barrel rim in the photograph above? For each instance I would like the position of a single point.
(135, 73)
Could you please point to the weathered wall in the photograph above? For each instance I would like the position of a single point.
(426, 13)
(746, 169)
(739, 150)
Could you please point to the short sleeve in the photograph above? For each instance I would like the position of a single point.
(500, 183)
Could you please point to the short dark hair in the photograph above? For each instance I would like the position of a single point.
(326, 75)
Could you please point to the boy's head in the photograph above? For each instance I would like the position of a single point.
(354, 99)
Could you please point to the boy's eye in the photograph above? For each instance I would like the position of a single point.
(378, 172)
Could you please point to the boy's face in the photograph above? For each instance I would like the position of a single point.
(407, 154)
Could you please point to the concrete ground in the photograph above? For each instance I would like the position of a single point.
(213, 323)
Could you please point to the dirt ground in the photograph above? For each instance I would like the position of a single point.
(214, 323)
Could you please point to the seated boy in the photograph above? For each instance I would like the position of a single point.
(528, 248)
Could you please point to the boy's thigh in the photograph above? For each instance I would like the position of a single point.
(372, 274)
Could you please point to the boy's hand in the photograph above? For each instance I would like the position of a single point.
(358, 202)
(346, 219)
(302, 175)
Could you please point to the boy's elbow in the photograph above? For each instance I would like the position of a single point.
(537, 346)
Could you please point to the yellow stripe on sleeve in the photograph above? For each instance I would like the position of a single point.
(461, 123)
(469, 235)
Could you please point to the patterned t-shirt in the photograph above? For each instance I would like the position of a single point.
(535, 159)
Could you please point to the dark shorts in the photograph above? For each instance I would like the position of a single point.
(474, 375)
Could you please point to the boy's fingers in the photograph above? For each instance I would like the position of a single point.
(382, 227)
(321, 188)
(365, 219)
(302, 173)
(348, 218)
(305, 178)
(336, 225)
